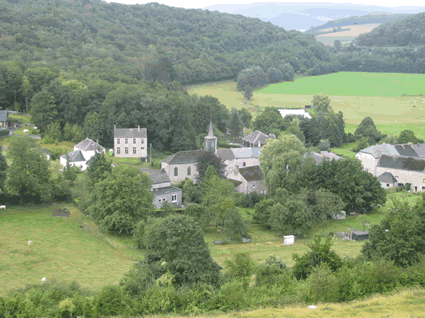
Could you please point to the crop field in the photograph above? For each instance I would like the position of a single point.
(356, 94)
(345, 36)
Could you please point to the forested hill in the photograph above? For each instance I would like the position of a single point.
(364, 19)
(131, 42)
(410, 30)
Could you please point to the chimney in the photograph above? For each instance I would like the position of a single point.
(138, 127)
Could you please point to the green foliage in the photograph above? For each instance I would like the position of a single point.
(53, 131)
(270, 121)
(69, 172)
(235, 124)
(363, 143)
(111, 301)
(392, 140)
(3, 170)
(400, 235)
(29, 173)
(324, 145)
(281, 161)
(139, 234)
(246, 117)
(320, 253)
(262, 211)
(407, 136)
(191, 192)
(178, 240)
(368, 129)
(121, 200)
(329, 126)
(253, 76)
(247, 91)
(272, 271)
(206, 160)
(234, 226)
(201, 214)
(93, 126)
(322, 104)
(240, 267)
(323, 285)
(287, 71)
(99, 167)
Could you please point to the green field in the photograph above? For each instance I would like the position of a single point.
(353, 84)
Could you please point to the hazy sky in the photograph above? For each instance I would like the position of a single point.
(205, 3)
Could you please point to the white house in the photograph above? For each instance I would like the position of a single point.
(247, 180)
(256, 139)
(82, 153)
(242, 157)
(131, 143)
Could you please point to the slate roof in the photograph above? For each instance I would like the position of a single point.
(242, 153)
(419, 149)
(236, 183)
(89, 145)
(404, 163)
(379, 150)
(225, 154)
(161, 177)
(184, 157)
(130, 133)
(256, 136)
(166, 190)
(323, 155)
(387, 177)
(3, 115)
(406, 150)
(252, 173)
(74, 156)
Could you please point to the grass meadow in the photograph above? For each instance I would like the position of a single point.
(74, 249)
(356, 94)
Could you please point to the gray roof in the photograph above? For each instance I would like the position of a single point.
(166, 190)
(88, 145)
(419, 149)
(3, 115)
(252, 173)
(379, 150)
(387, 177)
(74, 156)
(225, 154)
(130, 133)
(323, 155)
(46, 151)
(160, 177)
(406, 150)
(184, 157)
(241, 153)
(210, 132)
(256, 136)
(403, 163)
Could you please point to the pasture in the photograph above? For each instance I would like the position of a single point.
(345, 36)
(379, 97)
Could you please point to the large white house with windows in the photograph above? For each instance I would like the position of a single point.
(131, 143)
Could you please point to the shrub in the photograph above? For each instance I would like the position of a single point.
(272, 271)
(231, 296)
(4, 132)
(323, 285)
(138, 234)
(111, 300)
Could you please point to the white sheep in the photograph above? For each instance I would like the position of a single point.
(43, 279)
(29, 243)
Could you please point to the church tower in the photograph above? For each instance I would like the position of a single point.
(211, 140)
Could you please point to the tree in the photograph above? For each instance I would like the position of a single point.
(270, 121)
(53, 131)
(235, 124)
(201, 214)
(320, 253)
(3, 170)
(368, 129)
(191, 192)
(240, 267)
(324, 145)
(26, 90)
(43, 110)
(178, 241)
(280, 162)
(206, 159)
(29, 173)
(246, 117)
(322, 104)
(407, 136)
(274, 75)
(67, 132)
(98, 168)
(338, 45)
(235, 227)
(247, 92)
(93, 126)
(69, 172)
(121, 200)
(363, 143)
(400, 235)
(287, 71)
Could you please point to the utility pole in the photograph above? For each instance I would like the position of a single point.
(150, 155)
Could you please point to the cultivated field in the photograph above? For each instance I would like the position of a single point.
(356, 94)
(345, 36)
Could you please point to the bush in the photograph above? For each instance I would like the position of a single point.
(323, 285)
(272, 271)
(138, 234)
(231, 296)
(4, 132)
(111, 300)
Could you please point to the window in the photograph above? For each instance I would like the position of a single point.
(134, 150)
(423, 188)
(134, 140)
(143, 148)
(189, 171)
(159, 200)
(143, 141)
(244, 164)
(118, 141)
(163, 199)
(174, 198)
(126, 150)
(253, 186)
(388, 185)
(118, 151)
(126, 140)
(176, 172)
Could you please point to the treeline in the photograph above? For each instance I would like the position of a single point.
(126, 43)
(408, 31)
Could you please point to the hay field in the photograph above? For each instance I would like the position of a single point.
(345, 36)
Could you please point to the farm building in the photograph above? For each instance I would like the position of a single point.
(294, 112)
(360, 235)
(256, 139)
(82, 153)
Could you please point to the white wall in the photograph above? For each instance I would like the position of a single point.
(369, 163)
(140, 143)
(416, 178)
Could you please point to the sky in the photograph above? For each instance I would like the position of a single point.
(191, 4)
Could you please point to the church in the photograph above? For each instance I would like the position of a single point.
(183, 164)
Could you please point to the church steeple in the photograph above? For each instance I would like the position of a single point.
(211, 140)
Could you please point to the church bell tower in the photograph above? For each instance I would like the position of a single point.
(211, 140)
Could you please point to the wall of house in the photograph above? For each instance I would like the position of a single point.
(415, 178)
(255, 186)
(80, 164)
(388, 185)
(182, 171)
(141, 146)
(369, 163)
(161, 185)
(249, 162)
(160, 199)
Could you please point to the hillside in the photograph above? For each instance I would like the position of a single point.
(408, 31)
(358, 20)
(125, 43)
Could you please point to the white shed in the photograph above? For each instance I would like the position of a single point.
(288, 239)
